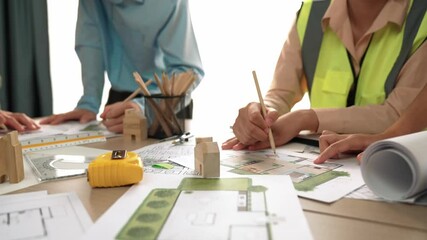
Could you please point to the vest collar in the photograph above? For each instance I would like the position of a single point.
(394, 11)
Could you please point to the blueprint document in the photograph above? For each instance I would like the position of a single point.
(164, 206)
(322, 182)
(38, 215)
(326, 182)
(167, 152)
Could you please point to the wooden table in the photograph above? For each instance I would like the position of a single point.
(344, 219)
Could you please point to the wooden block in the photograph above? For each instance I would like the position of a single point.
(11, 161)
(134, 126)
(206, 157)
(203, 139)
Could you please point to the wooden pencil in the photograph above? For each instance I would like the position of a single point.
(157, 111)
(264, 112)
(138, 90)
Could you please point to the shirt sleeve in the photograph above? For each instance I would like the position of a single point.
(376, 118)
(178, 43)
(88, 46)
(288, 85)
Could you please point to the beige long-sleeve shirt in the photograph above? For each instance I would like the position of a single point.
(289, 85)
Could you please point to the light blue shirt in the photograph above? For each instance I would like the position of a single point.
(123, 36)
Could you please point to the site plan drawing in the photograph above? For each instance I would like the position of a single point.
(326, 182)
(163, 152)
(178, 207)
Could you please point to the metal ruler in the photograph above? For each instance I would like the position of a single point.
(61, 140)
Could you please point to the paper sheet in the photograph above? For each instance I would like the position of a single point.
(326, 182)
(42, 216)
(395, 169)
(166, 152)
(176, 207)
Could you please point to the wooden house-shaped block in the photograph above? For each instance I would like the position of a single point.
(206, 157)
(11, 161)
(134, 126)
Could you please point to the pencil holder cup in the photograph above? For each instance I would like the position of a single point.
(165, 116)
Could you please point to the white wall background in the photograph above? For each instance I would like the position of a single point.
(234, 38)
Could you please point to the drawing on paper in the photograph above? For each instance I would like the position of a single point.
(229, 208)
(304, 174)
(93, 127)
(161, 153)
(34, 220)
(176, 170)
(38, 216)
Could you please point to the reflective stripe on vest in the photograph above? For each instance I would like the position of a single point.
(327, 66)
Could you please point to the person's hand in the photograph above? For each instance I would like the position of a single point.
(332, 144)
(284, 129)
(289, 126)
(18, 121)
(114, 113)
(81, 115)
(250, 126)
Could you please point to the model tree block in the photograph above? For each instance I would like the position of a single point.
(11, 161)
(206, 157)
(134, 125)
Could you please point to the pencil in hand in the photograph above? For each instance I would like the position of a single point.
(264, 112)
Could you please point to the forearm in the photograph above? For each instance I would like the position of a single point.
(92, 78)
(414, 119)
(298, 121)
(88, 46)
(307, 120)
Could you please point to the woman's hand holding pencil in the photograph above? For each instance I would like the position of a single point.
(252, 126)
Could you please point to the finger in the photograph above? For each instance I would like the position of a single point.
(327, 132)
(230, 143)
(87, 117)
(106, 110)
(57, 119)
(13, 123)
(118, 128)
(250, 134)
(118, 109)
(110, 122)
(259, 145)
(69, 116)
(25, 121)
(47, 120)
(2, 119)
(349, 143)
(326, 140)
(331, 152)
(272, 116)
(239, 146)
(359, 157)
(255, 116)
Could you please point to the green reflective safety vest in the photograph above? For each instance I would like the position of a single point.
(327, 65)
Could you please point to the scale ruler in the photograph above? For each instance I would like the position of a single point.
(61, 140)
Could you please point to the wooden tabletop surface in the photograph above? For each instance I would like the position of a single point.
(343, 219)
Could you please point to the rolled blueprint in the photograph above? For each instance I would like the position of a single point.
(396, 168)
